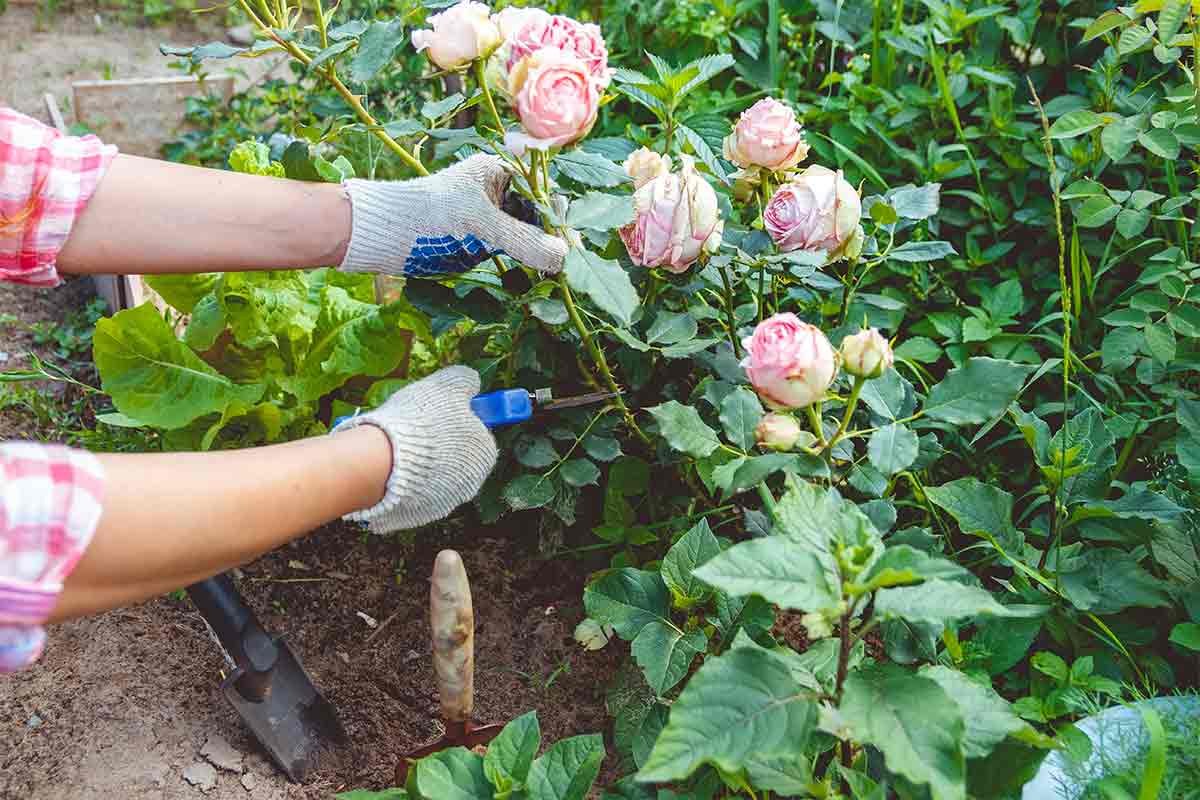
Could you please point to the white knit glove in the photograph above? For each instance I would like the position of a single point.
(441, 452)
(445, 223)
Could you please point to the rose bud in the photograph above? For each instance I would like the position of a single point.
(817, 211)
(768, 136)
(459, 35)
(867, 354)
(789, 362)
(555, 98)
(778, 432)
(645, 165)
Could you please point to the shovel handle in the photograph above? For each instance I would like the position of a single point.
(452, 619)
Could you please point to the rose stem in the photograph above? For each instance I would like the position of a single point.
(737, 352)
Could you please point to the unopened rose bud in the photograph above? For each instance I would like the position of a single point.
(458, 35)
(789, 362)
(778, 432)
(867, 354)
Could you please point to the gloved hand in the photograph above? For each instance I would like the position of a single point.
(445, 223)
(441, 452)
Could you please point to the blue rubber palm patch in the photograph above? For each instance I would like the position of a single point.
(445, 254)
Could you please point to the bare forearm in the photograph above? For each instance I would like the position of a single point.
(155, 217)
(175, 518)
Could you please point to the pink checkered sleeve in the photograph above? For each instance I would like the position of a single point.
(50, 505)
(46, 180)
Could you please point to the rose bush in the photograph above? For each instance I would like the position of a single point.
(1043, 315)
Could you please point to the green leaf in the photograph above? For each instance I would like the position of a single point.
(1097, 211)
(1108, 581)
(1187, 635)
(534, 452)
(627, 599)
(1118, 138)
(529, 491)
(671, 328)
(914, 723)
(920, 252)
(740, 413)
(330, 53)
(436, 109)
(987, 717)
(183, 292)
(777, 569)
(579, 472)
(1161, 142)
(1170, 18)
(206, 325)
(683, 429)
(892, 448)
(1133, 38)
(665, 653)
(218, 50)
(601, 212)
(1160, 343)
(1002, 643)
(604, 281)
(704, 152)
(602, 448)
(269, 308)
(511, 753)
(156, 379)
(978, 508)
(1132, 223)
(1075, 123)
(916, 202)
(818, 520)
(375, 49)
(454, 774)
(1104, 23)
(591, 169)
(938, 601)
(919, 349)
(699, 72)
(737, 708)
(694, 548)
(902, 565)
(350, 338)
(567, 770)
(1051, 664)
(977, 391)
(549, 310)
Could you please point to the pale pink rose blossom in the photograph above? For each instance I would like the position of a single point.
(584, 41)
(677, 220)
(514, 18)
(789, 362)
(818, 210)
(778, 432)
(768, 136)
(555, 98)
(867, 354)
(645, 165)
(459, 35)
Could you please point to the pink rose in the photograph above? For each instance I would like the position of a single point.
(514, 18)
(778, 432)
(817, 211)
(867, 354)
(676, 220)
(790, 363)
(767, 135)
(563, 33)
(458, 35)
(555, 98)
(645, 165)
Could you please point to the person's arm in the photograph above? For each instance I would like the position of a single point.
(154, 217)
(172, 519)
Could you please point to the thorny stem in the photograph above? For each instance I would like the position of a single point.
(851, 404)
(843, 667)
(331, 76)
(481, 79)
(733, 340)
(598, 357)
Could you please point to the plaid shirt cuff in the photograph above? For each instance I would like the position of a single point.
(46, 180)
(50, 505)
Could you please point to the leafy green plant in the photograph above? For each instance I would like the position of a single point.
(511, 768)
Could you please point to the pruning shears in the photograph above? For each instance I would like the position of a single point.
(511, 406)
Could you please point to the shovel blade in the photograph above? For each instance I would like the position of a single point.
(293, 722)
(457, 735)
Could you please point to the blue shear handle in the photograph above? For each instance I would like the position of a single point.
(503, 407)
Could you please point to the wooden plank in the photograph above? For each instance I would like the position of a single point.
(56, 117)
(141, 115)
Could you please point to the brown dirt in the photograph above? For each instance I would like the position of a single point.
(126, 700)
